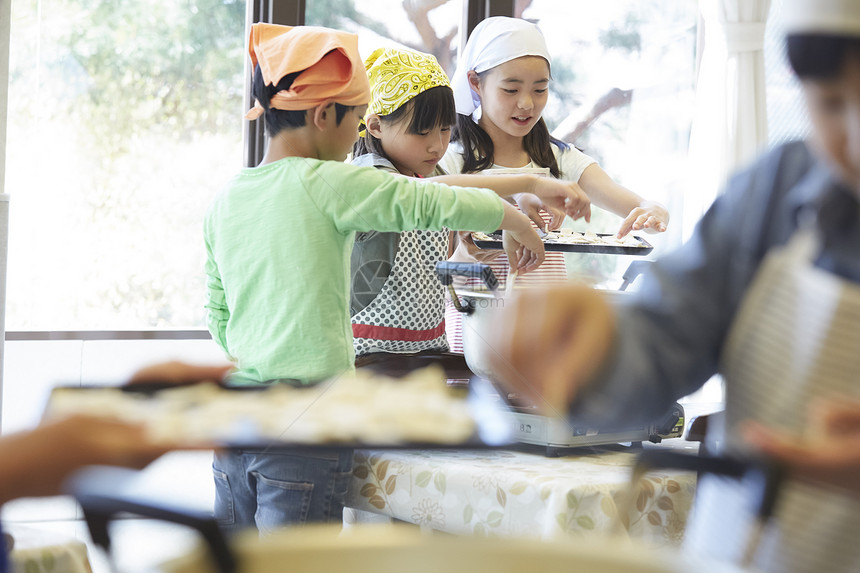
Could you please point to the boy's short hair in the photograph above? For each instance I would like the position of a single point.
(278, 120)
(820, 56)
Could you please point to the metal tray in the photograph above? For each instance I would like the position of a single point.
(646, 247)
(491, 419)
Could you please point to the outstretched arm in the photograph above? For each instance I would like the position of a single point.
(638, 213)
(565, 196)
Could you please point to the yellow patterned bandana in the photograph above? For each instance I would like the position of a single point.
(397, 76)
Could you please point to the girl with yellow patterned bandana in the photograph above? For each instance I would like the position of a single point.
(397, 303)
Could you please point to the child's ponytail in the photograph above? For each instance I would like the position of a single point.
(478, 150)
(538, 144)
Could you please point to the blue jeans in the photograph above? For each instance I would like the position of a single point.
(267, 489)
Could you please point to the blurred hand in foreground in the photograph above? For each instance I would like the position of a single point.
(548, 343)
(829, 452)
(180, 373)
(36, 462)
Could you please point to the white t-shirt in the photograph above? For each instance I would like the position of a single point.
(571, 161)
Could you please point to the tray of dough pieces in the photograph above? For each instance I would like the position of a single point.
(571, 241)
(361, 409)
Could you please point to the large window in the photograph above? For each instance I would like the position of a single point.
(786, 110)
(124, 119)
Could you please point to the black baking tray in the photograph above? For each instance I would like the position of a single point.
(492, 419)
(496, 243)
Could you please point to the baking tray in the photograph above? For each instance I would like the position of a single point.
(644, 249)
(490, 418)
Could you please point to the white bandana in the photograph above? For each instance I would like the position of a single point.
(494, 41)
(837, 17)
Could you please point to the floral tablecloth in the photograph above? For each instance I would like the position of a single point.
(38, 551)
(501, 492)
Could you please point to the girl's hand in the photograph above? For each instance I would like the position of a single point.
(520, 257)
(521, 242)
(566, 196)
(549, 343)
(649, 215)
(531, 206)
(556, 220)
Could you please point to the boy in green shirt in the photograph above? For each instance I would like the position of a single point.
(279, 240)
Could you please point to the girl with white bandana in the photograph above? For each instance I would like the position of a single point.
(501, 87)
(397, 302)
(767, 294)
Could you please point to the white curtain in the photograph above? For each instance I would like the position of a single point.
(730, 122)
(5, 24)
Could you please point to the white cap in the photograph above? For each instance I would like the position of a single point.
(493, 42)
(836, 17)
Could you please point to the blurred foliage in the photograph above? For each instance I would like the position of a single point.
(335, 13)
(124, 119)
(563, 84)
(165, 67)
(624, 36)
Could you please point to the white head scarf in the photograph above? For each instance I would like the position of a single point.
(494, 41)
(837, 17)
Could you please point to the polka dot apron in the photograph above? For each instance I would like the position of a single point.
(408, 314)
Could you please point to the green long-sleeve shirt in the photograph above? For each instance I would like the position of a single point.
(278, 245)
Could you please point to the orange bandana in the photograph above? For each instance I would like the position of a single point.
(331, 68)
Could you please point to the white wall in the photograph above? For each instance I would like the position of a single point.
(34, 367)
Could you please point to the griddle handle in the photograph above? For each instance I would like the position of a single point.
(447, 270)
(635, 269)
(771, 477)
(662, 459)
(105, 492)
